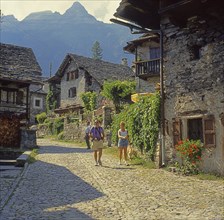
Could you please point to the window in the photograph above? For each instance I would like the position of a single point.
(154, 53)
(89, 80)
(19, 98)
(72, 92)
(195, 52)
(37, 103)
(76, 74)
(195, 129)
(8, 96)
(71, 75)
(67, 76)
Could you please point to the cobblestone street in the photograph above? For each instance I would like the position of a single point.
(64, 184)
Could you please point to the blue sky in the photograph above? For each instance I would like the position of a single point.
(103, 10)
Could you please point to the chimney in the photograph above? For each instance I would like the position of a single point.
(124, 61)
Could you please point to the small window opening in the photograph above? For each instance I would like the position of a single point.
(37, 103)
(89, 80)
(67, 77)
(195, 52)
(76, 74)
(72, 92)
(195, 129)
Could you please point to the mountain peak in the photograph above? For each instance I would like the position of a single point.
(76, 9)
(77, 13)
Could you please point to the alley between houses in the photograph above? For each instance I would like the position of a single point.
(64, 184)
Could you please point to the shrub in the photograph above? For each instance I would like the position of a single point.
(61, 136)
(58, 125)
(190, 152)
(50, 124)
(41, 117)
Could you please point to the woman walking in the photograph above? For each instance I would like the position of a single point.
(97, 137)
(123, 142)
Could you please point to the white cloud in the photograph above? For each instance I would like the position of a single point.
(102, 10)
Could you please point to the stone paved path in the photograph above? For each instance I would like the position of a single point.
(64, 184)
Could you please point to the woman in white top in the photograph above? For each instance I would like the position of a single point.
(123, 142)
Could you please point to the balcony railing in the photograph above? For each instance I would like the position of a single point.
(148, 68)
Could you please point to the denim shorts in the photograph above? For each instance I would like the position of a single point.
(122, 143)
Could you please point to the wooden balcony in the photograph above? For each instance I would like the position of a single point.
(145, 69)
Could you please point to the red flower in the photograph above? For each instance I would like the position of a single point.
(180, 142)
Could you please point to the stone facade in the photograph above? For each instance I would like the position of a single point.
(194, 87)
(78, 74)
(144, 50)
(20, 86)
(143, 86)
(193, 70)
(37, 102)
(82, 83)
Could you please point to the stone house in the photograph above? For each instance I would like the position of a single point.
(78, 74)
(193, 92)
(147, 61)
(20, 63)
(19, 74)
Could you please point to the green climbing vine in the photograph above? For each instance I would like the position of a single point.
(118, 92)
(89, 100)
(142, 122)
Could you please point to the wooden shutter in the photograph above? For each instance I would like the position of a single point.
(209, 131)
(177, 133)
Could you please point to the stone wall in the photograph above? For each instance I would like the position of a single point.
(76, 132)
(194, 81)
(149, 85)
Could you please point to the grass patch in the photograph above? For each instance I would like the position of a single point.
(208, 176)
(32, 156)
(136, 161)
(142, 162)
(113, 151)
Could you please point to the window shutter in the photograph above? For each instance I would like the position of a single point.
(209, 131)
(177, 133)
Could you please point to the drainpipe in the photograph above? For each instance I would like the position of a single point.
(162, 125)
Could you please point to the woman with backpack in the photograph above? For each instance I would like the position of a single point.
(97, 138)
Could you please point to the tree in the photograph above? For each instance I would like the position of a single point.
(118, 92)
(97, 51)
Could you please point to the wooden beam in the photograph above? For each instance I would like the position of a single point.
(27, 104)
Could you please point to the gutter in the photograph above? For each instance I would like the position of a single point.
(141, 30)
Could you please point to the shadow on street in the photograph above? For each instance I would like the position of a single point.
(54, 149)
